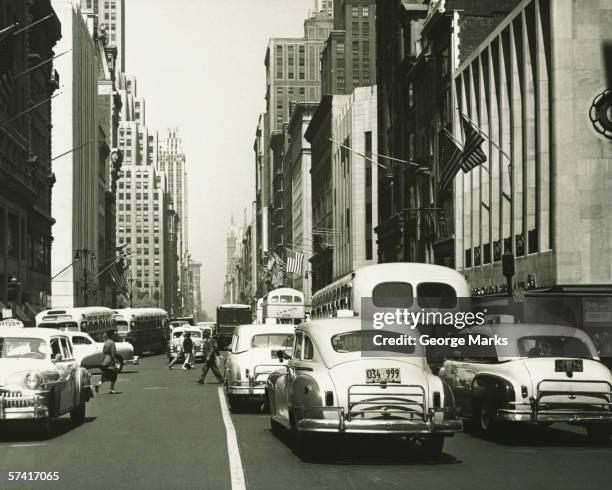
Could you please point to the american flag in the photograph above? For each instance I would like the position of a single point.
(6, 65)
(450, 159)
(278, 277)
(116, 273)
(295, 263)
(472, 152)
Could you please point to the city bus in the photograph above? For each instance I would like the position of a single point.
(391, 285)
(228, 317)
(93, 320)
(145, 328)
(283, 306)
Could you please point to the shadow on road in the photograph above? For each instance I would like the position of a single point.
(532, 435)
(363, 450)
(26, 432)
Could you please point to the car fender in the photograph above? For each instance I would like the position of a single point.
(491, 387)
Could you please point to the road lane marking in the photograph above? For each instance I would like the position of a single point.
(236, 470)
(156, 388)
(34, 444)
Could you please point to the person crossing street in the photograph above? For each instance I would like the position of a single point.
(211, 352)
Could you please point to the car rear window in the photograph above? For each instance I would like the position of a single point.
(436, 295)
(363, 340)
(392, 295)
(553, 346)
(272, 341)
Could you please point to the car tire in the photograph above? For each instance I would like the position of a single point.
(599, 433)
(431, 448)
(77, 414)
(276, 428)
(119, 363)
(303, 443)
(485, 417)
(234, 403)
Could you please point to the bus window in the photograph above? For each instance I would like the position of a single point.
(286, 299)
(297, 299)
(274, 299)
(392, 295)
(436, 295)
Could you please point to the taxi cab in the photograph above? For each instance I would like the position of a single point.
(253, 355)
(535, 374)
(40, 379)
(333, 383)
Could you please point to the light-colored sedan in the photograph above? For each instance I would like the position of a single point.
(333, 383)
(543, 374)
(175, 344)
(89, 352)
(252, 357)
(40, 379)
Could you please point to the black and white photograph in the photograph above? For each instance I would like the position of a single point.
(271, 244)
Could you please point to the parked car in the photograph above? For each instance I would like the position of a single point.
(40, 379)
(252, 357)
(332, 384)
(175, 346)
(89, 352)
(545, 374)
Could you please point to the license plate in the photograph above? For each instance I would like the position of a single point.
(568, 365)
(384, 375)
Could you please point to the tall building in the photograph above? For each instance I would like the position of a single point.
(111, 18)
(195, 269)
(349, 58)
(298, 159)
(293, 74)
(416, 101)
(537, 87)
(79, 191)
(342, 134)
(25, 158)
(233, 241)
(172, 163)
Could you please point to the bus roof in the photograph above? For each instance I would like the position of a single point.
(234, 306)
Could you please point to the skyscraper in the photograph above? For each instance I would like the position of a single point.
(111, 17)
(172, 163)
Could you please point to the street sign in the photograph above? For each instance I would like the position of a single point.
(11, 322)
(7, 313)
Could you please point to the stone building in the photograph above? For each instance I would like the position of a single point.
(26, 177)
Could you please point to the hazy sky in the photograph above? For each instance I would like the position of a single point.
(200, 66)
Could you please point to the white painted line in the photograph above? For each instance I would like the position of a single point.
(34, 444)
(236, 470)
(156, 388)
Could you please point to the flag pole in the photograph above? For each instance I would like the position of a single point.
(486, 136)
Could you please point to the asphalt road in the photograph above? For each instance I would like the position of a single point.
(165, 431)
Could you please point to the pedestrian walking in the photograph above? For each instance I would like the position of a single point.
(108, 367)
(188, 351)
(211, 352)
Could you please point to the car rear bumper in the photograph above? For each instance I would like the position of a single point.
(443, 421)
(246, 388)
(567, 416)
(23, 407)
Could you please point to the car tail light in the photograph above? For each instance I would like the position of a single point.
(436, 399)
(524, 391)
(329, 398)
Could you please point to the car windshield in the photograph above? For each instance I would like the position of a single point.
(272, 341)
(553, 346)
(364, 341)
(16, 348)
(122, 326)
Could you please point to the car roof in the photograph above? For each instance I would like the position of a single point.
(514, 331)
(254, 329)
(31, 333)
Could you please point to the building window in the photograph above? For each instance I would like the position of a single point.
(340, 47)
(355, 48)
(355, 27)
(365, 11)
(365, 29)
(355, 11)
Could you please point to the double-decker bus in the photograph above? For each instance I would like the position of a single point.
(228, 317)
(93, 320)
(283, 305)
(391, 285)
(145, 328)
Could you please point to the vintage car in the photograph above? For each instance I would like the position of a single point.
(40, 379)
(175, 345)
(545, 374)
(89, 352)
(253, 355)
(334, 383)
